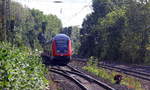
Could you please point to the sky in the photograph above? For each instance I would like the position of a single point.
(71, 12)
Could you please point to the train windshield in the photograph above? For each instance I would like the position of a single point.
(62, 46)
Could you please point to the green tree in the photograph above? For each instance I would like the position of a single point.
(28, 25)
(117, 30)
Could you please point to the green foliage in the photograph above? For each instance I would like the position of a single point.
(112, 17)
(107, 75)
(101, 73)
(117, 31)
(28, 25)
(92, 61)
(21, 69)
(130, 82)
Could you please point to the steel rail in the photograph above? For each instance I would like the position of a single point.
(87, 77)
(128, 72)
(70, 77)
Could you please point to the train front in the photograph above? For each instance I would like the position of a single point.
(61, 49)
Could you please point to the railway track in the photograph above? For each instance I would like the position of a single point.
(136, 73)
(84, 81)
(142, 66)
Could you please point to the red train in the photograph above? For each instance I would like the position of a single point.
(61, 49)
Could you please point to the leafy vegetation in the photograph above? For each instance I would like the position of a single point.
(28, 26)
(21, 69)
(117, 30)
(130, 82)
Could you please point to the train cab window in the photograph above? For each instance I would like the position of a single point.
(62, 46)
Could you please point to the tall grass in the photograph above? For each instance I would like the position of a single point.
(128, 81)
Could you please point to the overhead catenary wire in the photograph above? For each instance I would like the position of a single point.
(80, 11)
(89, 5)
(71, 17)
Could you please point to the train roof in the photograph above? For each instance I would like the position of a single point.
(61, 36)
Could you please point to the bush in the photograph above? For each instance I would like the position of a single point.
(21, 69)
